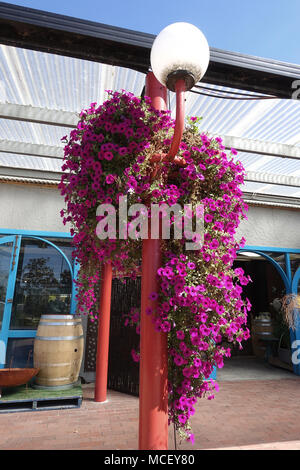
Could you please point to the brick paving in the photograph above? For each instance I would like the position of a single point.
(248, 414)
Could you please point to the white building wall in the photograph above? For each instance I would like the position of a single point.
(37, 208)
(26, 207)
(271, 226)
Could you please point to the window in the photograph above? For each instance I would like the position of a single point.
(43, 284)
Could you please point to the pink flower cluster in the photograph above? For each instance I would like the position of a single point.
(104, 158)
(199, 302)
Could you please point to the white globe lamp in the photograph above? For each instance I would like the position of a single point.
(179, 52)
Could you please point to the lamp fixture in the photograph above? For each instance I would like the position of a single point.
(179, 59)
(179, 52)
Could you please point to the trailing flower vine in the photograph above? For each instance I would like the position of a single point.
(200, 304)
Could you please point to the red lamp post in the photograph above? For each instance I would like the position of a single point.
(178, 75)
(153, 389)
(153, 392)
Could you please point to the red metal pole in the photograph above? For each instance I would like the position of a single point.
(153, 393)
(179, 122)
(103, 333)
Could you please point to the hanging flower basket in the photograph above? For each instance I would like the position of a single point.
(108, 157)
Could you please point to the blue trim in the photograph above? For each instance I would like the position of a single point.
(283, 275)
(9, 239)
(213, 375)
(10, 287)
(295, 282)
(288, 267)
(41, 233)
(73, 304)
(21, 333)
(270, 248)
(38, 233)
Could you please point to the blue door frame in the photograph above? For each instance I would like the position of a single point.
(15, 236)
(14, 256)
(290, 283)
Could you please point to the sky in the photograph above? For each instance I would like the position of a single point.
(262, 28)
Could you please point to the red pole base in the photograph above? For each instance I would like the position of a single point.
(103, 334)
(153, 413)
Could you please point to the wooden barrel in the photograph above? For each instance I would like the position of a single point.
(261, 328)
(58, 351)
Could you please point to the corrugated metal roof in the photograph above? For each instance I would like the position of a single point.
(58, 82)
(62, 83)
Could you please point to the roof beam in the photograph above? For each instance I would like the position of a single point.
(244, 145)
(34, 150)
(69, 120)
(54, 117)
(271, 200)
(251, 176)
(31, 173)
(261, 147)
(250, 198)
(272, 178)
(64, 35)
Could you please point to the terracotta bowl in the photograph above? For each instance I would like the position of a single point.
(15, 377)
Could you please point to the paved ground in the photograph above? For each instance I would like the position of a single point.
(246, 414)
(250, 368)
